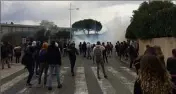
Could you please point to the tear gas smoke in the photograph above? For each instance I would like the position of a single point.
(113, 31)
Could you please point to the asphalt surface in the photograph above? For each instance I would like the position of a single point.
(120, 80)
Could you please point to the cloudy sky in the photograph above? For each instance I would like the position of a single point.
(32, 12)
(114, 15)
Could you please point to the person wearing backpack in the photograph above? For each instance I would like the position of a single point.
(43, 63)
(98, 54)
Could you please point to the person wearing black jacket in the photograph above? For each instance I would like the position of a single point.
(105, 58)
(72, 51)
(28, 61)
(4, 55)
(84, 48)
(132, 54)
(54, 62)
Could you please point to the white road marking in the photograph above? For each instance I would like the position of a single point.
(105, 85)
(22, 91)
(129, 71)
(26, 90)
(80, 81)
(63, 71)
(17, 79)
(118, 75)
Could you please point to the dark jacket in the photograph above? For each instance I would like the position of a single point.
(28, 57)
(171, 65)
(4, 51)
(53, 55)
(72, 51)
(84, 46)
(137, 88)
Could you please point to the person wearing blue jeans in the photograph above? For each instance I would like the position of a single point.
(53, 68)
(54, 62)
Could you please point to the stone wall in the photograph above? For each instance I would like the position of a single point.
(166, 44)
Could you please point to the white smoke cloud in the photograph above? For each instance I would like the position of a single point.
(113, 31)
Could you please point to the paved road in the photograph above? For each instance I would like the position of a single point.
(120, 80)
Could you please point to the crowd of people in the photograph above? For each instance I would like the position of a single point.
(8, 51)
(42, 57)
(154, 75)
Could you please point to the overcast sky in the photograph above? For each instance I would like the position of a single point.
(32, 12)
(114, 15)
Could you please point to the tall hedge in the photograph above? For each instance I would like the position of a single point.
(153, 20)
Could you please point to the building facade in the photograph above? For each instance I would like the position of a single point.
(7, 28)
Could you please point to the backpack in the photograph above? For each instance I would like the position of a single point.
(98, 54)
(42, 55)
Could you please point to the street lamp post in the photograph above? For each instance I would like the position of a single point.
(70, 9)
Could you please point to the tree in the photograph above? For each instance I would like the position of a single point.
(49, 25)
(62, 35)
(42, 35)
(48, 29)
(149, 20)
(88, 25)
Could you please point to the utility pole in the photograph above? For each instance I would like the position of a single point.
(70, 9)
(70, 24)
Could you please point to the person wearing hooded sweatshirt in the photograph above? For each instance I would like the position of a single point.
(72, 51)
(54, 61)
(43, 63)
(98, 54)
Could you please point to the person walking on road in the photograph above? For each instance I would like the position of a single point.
(4, 55)
(28, 61)
(43, 63)
(17, 51)
(89, 51)
(98, 54)
(54, 61)
(80, 48)
(132, 54)
(105, 57)
(84, 48)
(72, 51)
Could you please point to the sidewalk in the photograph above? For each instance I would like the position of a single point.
(8, 74)
(9, 71)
